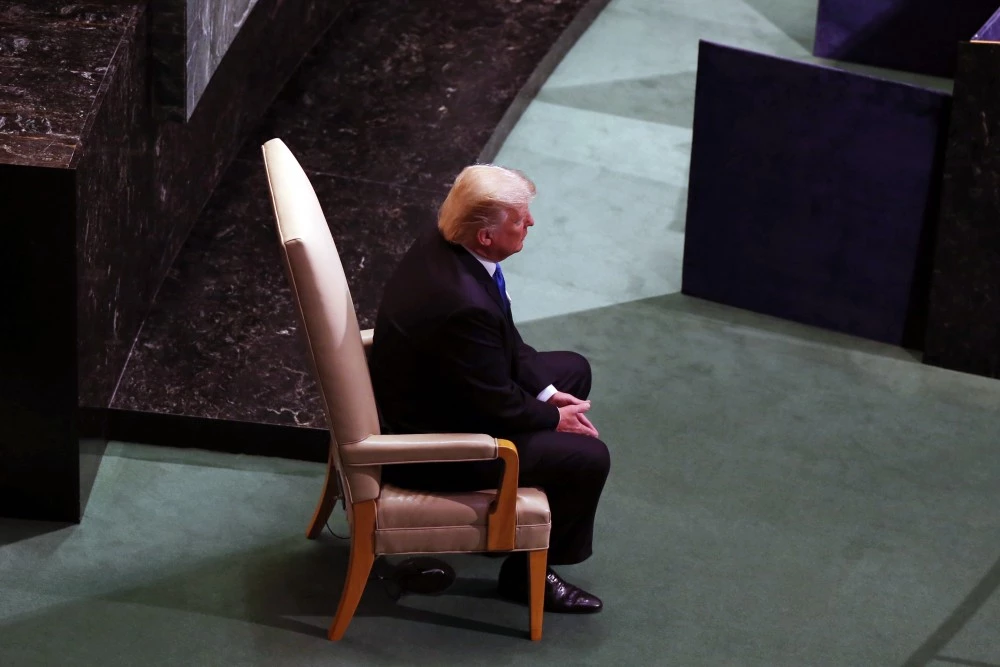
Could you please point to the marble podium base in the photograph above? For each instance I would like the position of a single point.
(98, 199)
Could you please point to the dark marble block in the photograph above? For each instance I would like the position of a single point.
(116, 226)
(912, 35)
(69, 124)
(963, 329)
(76, 101)
(812, 193)
(143, 189)
(189, 159)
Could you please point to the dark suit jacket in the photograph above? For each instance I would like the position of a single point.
(446, 355)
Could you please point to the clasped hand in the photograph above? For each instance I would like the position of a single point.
(571, 414)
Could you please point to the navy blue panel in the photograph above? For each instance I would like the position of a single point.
(912, 35)
(990, 32)
(810, 190)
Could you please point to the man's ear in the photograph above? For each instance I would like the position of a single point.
(483, 237)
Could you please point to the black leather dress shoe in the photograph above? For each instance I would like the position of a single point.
(560, 596)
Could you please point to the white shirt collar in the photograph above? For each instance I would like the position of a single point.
(490, 266)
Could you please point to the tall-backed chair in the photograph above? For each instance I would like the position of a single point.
(385, 519)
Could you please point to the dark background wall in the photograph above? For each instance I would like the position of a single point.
(912, 35)
(38, 449)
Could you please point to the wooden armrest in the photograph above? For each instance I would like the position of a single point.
(502, 522)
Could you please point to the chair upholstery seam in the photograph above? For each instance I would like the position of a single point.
(468, 525)
(397, 463)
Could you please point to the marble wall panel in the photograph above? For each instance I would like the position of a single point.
(813, 193)
(912, 35)
(140, 184)
(222, 340)
(190, 158)
(63, 206)
(409, 93)
(143, 188)
(211, 28)
(963, 329)
(168, 61)
(190, 39)
(115, 222)
(98, 227)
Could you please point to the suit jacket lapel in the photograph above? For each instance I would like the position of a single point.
(482, 275)
(472, 265)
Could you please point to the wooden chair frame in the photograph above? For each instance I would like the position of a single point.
(501, 530)
(299, 218)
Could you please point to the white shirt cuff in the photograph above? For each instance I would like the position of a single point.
(546, 394)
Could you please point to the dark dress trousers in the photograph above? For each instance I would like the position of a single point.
(447, 357)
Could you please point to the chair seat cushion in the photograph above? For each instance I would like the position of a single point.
(434, 522)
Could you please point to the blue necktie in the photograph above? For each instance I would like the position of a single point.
(502, 286)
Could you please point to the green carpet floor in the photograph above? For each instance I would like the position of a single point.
(779, 495)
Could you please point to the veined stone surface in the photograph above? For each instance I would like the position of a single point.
(190, 39)
(211, 28)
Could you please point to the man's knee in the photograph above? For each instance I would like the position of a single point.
(581, 364)
(598, 457)
(581, 369)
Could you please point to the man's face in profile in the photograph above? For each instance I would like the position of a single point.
(508, 237)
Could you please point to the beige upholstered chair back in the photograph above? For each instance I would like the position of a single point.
(327, 314)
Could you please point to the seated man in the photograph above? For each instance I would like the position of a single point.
(448, 358)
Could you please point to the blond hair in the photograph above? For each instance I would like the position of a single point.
(482, 196)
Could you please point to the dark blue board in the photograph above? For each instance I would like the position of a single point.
(812, 193)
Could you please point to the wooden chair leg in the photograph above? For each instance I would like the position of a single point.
(536, 591)
(359, 567)
(327, 501)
